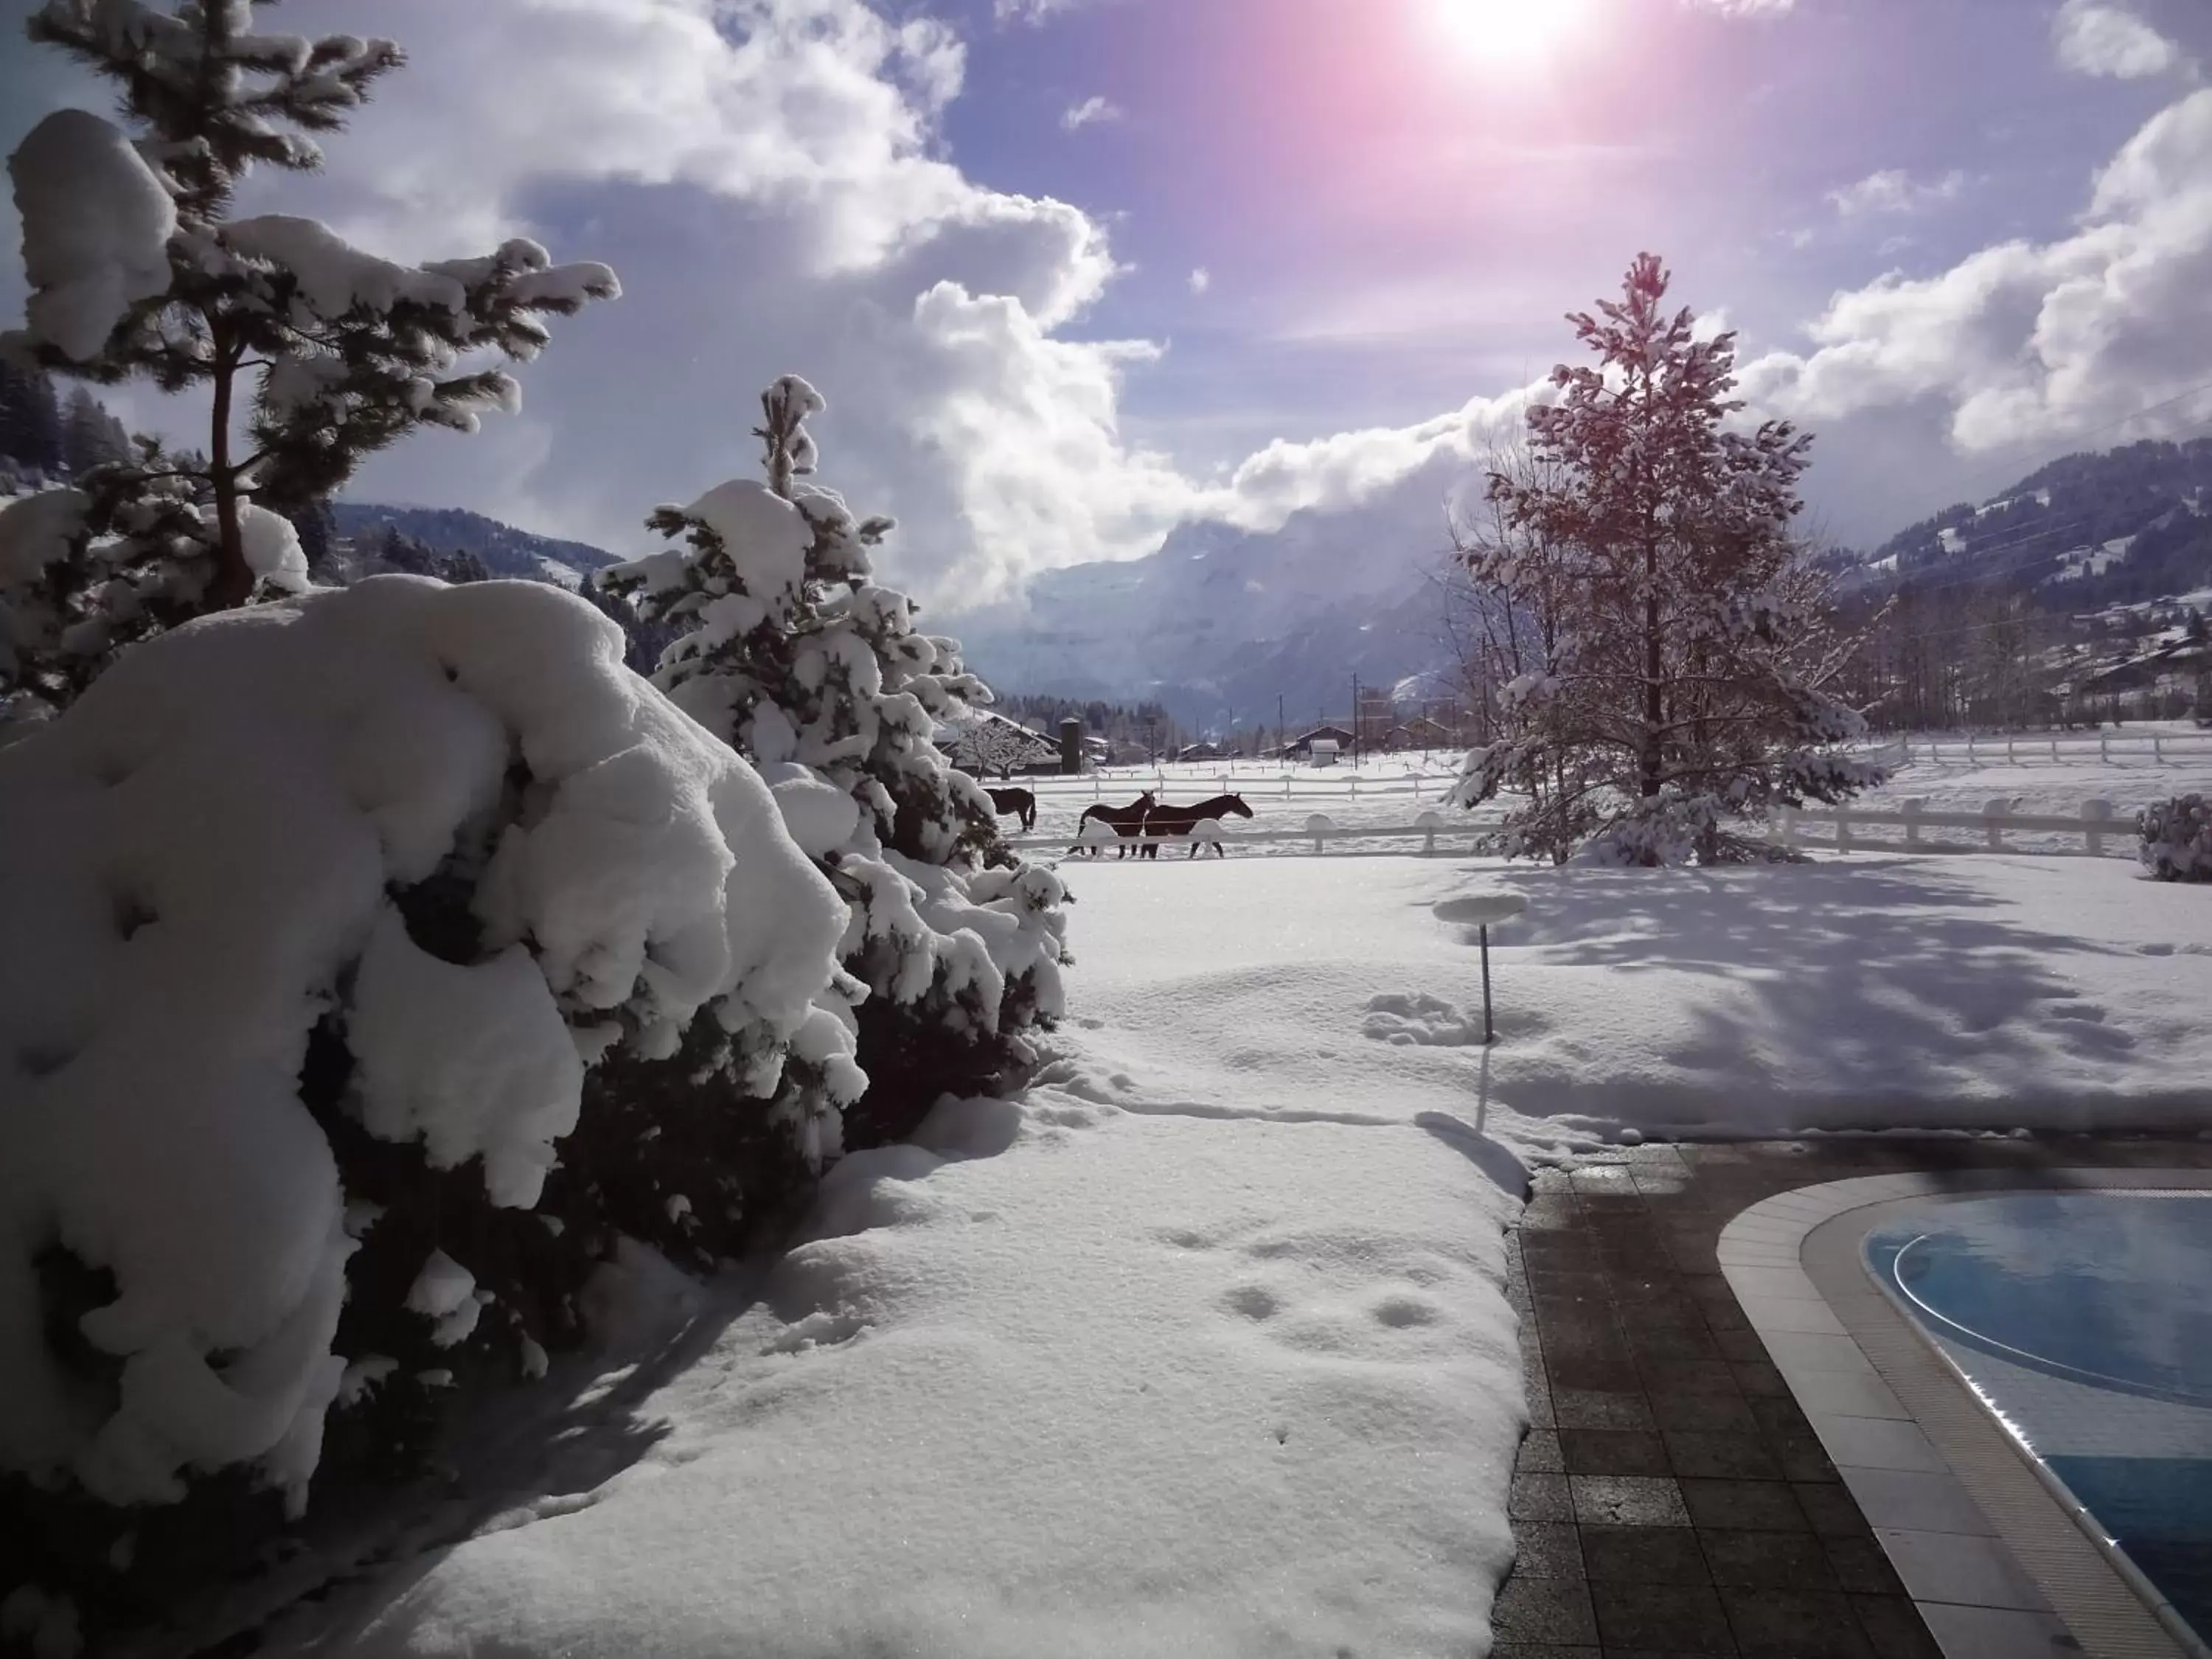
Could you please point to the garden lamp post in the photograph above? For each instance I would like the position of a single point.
(1482, 911)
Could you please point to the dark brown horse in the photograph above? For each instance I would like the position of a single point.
(1016, 803)
(1127, 822)
(1164, 821)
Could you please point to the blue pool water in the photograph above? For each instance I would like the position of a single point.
(2085, 1320)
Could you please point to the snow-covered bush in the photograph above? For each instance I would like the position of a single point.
(2177, 839)
(313, 353)
(321, 923)
(790, 650)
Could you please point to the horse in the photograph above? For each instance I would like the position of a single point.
(1126, 822)
(1015, 803)
(1165, 821)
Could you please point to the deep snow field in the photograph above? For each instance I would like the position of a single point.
(1199, 1347)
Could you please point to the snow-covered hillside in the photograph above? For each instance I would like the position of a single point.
(504, 550)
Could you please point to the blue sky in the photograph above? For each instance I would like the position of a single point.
(1958, 236)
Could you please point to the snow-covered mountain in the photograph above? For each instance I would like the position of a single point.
(505, 551)
(1221, 622)
(2126, 525)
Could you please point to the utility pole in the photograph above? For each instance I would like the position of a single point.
(1355, 720)
(1282, 738)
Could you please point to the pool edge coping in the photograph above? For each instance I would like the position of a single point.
(1794, 1261)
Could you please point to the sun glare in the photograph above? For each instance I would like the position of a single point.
(1509, 32)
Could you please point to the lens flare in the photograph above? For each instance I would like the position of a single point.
(1509, 33)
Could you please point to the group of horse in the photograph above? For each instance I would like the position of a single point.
(1143, 823)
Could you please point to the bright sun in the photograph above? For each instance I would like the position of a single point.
(1510, 31)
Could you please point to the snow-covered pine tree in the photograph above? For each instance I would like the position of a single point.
(321, 353)
(30, 420)
(1691, 684)
(790, 650)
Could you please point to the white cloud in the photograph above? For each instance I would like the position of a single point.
(1746, 8)
(1894, 190)
(2094, 37)
(2030, 343)
(1091, 111)
(1199, 280)
(1031, 11)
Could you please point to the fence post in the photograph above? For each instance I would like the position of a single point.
(2103, 745)
(1993, 818)
(2158, 747)
(2096, 814)
(1786, 827)
(2012, 755)
(1843, 826)
(1911, 808)
(2054, 746)
(1970, 749)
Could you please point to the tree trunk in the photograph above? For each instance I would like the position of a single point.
(1655, 708)
(232, 580)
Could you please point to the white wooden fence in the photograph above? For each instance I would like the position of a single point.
(1456, 829)
(2103, 828)
(2120, 744)
(1272, 785)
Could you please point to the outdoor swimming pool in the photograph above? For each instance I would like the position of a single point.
(2083, 1320)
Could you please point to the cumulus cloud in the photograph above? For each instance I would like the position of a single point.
(2037, 342)
(2094, 37)
(1894, 190)
(1745, 8)
(1091, 111)
(1199, 280)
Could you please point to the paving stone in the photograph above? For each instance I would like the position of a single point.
(1585, 1408)
(1741, 1347)
(1743, 1506)
(1612, 1451)
(1543, 1610)
(1540, 1454)
(1540, 1497)
(1776, 1624)
(1643, 1555)
(1759, 1379)
(1704, 1413)
(1675, 1343)
(1894, 1628)
(1722, 1456)
(1687, 1376)
(1675, 1618)
(1627, 1500)
(1597, 1376)
(1832, 1510)
(1863, 1567)
(1546, 1549)
(1767, 1560)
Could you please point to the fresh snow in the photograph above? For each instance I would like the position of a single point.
(1197, 1347)
(1066, 1379)
(96, 227)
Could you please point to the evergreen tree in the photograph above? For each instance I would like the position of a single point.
(789, 650)
(30, 419)
(317, 529)
(322, 353)
(1690, 682)
(90, 436)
